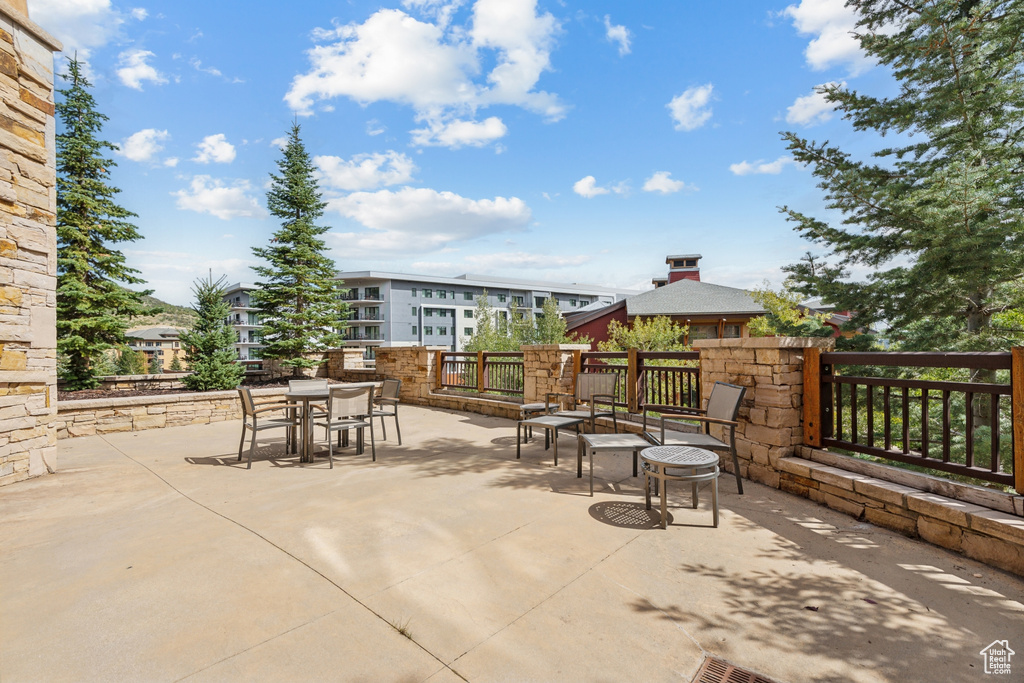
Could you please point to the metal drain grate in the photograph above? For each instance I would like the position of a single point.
(720, 671)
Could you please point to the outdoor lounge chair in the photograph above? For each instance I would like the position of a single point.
(347, 409)
(594, 397)
(722, 407)
(388, 397)
(251, 412)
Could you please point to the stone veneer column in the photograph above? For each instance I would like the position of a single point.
(548, 368)
(414, 365)
(28, 248)
(771, 368)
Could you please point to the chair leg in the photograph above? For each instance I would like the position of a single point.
(242, 442)
(714, 499)
(736, 469)
(693, 493)
(398, 430)
(252, 447)
(383, 429)
(373, 442)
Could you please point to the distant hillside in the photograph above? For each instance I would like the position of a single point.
(172, 316)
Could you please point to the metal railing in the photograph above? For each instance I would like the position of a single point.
(966, 419)
(502, 372)
(650, 379)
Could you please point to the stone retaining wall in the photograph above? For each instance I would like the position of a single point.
(102, 416)
(167, 380)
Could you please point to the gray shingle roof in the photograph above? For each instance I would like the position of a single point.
(687, 297)
(155, 333)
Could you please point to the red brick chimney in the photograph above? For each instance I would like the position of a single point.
(683, 267)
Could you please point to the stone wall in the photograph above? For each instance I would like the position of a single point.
(549, 368)
(167, 380)
(102, 416)
(28, 248)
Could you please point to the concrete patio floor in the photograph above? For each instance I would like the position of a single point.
(155, 556)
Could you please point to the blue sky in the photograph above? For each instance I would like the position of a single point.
(558, 140)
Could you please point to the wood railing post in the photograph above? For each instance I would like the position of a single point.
(438, 370)
(632, 381)
(481, 380)
(577, 367)
(1017, 400)
(812, 397)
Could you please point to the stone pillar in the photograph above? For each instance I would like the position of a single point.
(415, 365)
(548, 368)
(28, 248)
(771, 368)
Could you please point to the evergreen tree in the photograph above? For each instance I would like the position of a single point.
(645, 334)
(550, 325)
(156, 366)
(298, 296)
(175, 365)
(93, 306)
(209, 343)
(941, 215)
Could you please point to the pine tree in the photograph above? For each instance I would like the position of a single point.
(940, 217)
(209, 343)
(156, 366)
(93, 306)
(130, 362)
(175, 365)
(298, 298)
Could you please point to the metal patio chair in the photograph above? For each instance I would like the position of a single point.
(347, 409)
(386, 405)
(594, 397)
(252, 420)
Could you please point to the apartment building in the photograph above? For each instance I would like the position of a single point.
(403, 309)
(157, 342)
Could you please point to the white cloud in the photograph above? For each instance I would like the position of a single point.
(691, 109)
(520, 259)
(588, 187)
(144, 145)
(215, 148)
(617, 34)
(439, 10)
(171, 162)
(134, 69)
(812, 109)
(374, 127)
(81, 25)
(457, 133)
(661, 182)
(280, 142)
(423, 219)
(760, 167)
(198, 66)
(436, 69)
(212, 196)
(365, 171)
(139, 13)
(831, 24)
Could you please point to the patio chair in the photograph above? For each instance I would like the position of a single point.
(251, 420)
(348, 409)
(307, 385)
(722, 407)
(594, 397)
(388, 397)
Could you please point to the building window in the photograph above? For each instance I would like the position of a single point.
(538, 301)
(468, 296)
(502, 298)
(442, 331)
(373, 332)
(176, 345)
(428, 293)
(519, 301)
(428, 330)
(703, 332)
(372, 293)
(452, 293)
(441, 294)
(467, 314)
(572, 302)
(414, 329)
(372, 313)
(414, 291)
(414, 310)
(149, 343)
(428, 312)
(468, 331)
(731, 331)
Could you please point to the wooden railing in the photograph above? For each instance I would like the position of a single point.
(650, 379)
(502, 371)
(969, 428)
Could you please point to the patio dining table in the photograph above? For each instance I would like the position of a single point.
(306, 397)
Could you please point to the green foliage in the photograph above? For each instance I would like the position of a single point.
(156, 366)
(510, 329)
(298, 298)
(93, 306)
(209, 344)
(130, 362)
(646, 334)
(785, 317)
(175, 365)
(939, 217)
